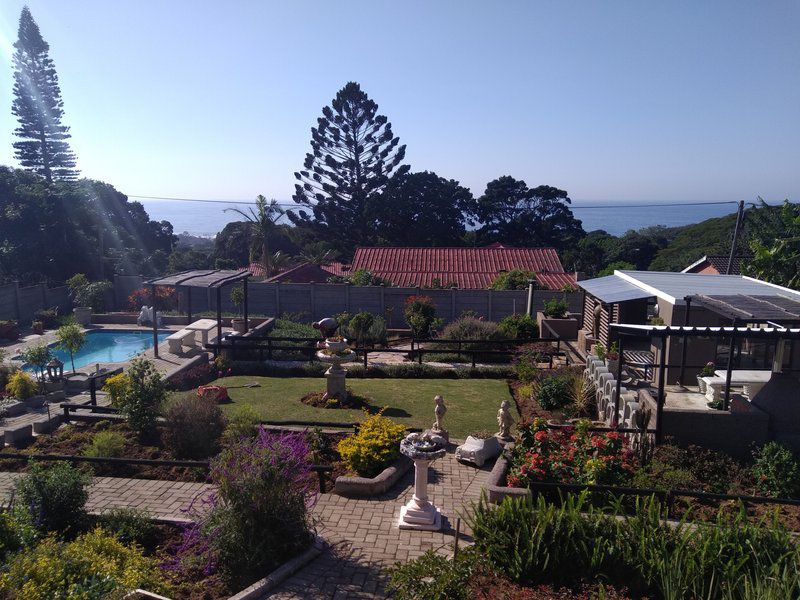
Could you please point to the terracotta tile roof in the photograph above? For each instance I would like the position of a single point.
(303, 273)
(716, 263)
(468, 268)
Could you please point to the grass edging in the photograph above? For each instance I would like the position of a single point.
(372, 486)
(287, 569)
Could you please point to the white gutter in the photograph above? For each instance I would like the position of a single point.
(647, 288)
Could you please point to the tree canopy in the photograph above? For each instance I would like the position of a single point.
(354, 151)
(422, 209)
(43, 146)
(512, 213)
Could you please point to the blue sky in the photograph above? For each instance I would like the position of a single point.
(608, 100)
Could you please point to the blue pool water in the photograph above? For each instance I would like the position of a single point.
(108, 346)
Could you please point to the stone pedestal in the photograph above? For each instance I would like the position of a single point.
(420, 513)
(335, 377)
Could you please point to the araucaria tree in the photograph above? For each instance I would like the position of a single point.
(353, 154)
(38, 106)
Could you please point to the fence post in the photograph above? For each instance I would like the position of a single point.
(347, 297)
(383, 302)
(44, 295)
(489, 316)
(452, 304)
(16, 301)
(277, 299)
(313, 301)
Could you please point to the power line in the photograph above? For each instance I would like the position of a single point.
(582, 206)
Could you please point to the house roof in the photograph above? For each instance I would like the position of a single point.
(675, 287)
(302, 273)
(468, 268)
(718, 262)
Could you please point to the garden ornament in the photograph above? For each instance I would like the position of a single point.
(327, 326)
(505, 421)
(439, 412)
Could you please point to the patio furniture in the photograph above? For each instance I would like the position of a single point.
(640, 359)
(184, 337)
(751, 381)
(203, 326)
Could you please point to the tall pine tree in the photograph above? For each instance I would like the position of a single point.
(38, 107)
(353, 154)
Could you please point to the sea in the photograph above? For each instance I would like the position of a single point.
(206, 219)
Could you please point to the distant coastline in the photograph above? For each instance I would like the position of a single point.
(206, 220)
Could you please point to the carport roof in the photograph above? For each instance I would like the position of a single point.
(202, 279)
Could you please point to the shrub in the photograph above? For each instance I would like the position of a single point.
(515, 279)
(144, 396)
(9, 330)
(21, 385)
(110, 444)
(259, 518)
(192, 378)
(166, 298)
(519, 326)
(193, 427)
(86, 293)
(6, 371)
(130, 526)
(242, 424)
(776, 471)
(47, 316)
(16, 531)
(420, 314)
(469, 328)
(92, 566)
(54, 496)
(434, 577)
(553, 392)
(117, 387)
(374, 447)
(365, 328)
(556, 308)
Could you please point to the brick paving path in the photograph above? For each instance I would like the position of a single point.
(162, 499)
(364, 539)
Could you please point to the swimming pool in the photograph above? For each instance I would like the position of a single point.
(107, 346)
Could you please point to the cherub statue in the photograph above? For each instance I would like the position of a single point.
(439, 411)
(505, 421)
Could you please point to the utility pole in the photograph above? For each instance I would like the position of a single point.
(736, 229)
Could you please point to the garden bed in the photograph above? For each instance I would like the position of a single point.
(76, 439)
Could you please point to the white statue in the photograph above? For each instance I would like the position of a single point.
(439, 411)
(146, 316)
(505, 421)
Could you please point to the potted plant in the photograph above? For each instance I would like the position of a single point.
(237, 298)
(87, 296)
(38, 327)
(707, 371)
(612, 358)
(554, 320)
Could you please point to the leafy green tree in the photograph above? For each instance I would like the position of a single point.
(353, 154)
(187, 260)
(360, 277)
(512, 213)
(37, 356)
(144, 395)
(619, 265)
(88, 293)
(71, 338)
(38, 106)
(263, 220)
(515, 279)
(422, 209)
(776, 255)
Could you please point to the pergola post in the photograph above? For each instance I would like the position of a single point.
(219, 315)
(155, 321)
(726, 404)
(246, 326)
(685, 340)
(615, 420)
(662, 368)
(189, 303)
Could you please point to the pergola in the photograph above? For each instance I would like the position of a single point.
(660, 333)
(207, 279)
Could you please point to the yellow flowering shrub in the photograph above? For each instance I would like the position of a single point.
(117, 386)
(93, 565)
(374, 447)
(21, 385)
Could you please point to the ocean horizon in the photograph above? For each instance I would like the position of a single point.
(616, 217)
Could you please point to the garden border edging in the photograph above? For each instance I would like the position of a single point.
(494, 487)
(372, 486)
(262, 586)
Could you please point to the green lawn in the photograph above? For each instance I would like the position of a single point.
(472, 404)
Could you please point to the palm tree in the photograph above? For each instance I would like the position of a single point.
(263, 219)
(276, 262)
(318, 253)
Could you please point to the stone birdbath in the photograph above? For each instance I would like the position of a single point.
(336, 352)
(420, 513)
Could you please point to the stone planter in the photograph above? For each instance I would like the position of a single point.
(372, 486)
(566, 329)
(34, 402)
(239, 325)
(14, 408)
(82, 314)
(478, 451)
(496, 488)
(701, 384)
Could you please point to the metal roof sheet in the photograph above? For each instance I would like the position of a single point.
(612, 289)
(203, 279)
(708, 331)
